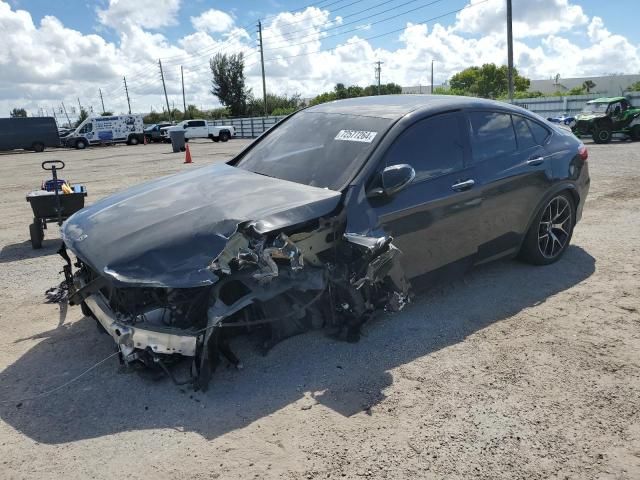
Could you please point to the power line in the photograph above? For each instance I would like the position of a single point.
(358, 28)
(381, 34)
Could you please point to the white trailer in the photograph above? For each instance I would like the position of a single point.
(199, 128)
(113, 129)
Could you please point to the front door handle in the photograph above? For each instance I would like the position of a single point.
(533, 161)
(461, 186)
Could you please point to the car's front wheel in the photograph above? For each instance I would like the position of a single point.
(551, 231)
(635, 133)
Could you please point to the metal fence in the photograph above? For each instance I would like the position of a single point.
(249, 127)
(570, 105)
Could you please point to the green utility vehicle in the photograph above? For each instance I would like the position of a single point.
(603, 117)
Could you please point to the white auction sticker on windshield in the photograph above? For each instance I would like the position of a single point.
(356, 136)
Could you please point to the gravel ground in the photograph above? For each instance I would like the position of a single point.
(514, 372)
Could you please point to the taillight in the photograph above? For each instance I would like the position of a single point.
(583, 152)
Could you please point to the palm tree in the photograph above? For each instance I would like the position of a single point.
(588, 85)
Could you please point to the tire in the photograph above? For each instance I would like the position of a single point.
(81, 144)
(602, 134)
(133, 140)
(536, 248)
(186, 140)
(38, 147)
(37, 234)
(225, 136)
(635, 133)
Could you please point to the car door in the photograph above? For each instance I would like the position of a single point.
(513, 170)
(433, 220)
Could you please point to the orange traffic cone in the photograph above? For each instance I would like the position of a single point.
(187, 155)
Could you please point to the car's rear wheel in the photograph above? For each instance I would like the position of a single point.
(635, 133)
(133, 140)
(38, 147)
(551, 231)
(602, 134)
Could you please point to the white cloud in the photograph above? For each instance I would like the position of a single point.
(152, 14)
(212, 21)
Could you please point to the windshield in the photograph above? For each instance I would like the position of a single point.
(319, 149)
(595, 108)
(149, 129)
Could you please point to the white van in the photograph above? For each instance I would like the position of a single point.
(199, 128)
(114, 129)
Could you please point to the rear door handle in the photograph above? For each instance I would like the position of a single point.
(461, 186)
(533, 161)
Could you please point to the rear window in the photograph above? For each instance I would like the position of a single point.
(526, 139)
(492, 135)
(540, 133)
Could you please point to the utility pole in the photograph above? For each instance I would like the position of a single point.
(264, 85)
(431, 77)
(510, 50)
(126, 90)
(378, 75)
(101, 100)
(79, 106)
(54, 114)
(184, 101)
(65, 114)
(165, 88)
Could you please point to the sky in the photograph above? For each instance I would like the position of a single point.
(55, 51)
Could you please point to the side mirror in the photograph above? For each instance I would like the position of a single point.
(393, 179)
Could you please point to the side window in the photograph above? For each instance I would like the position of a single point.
(87, 128)
(540, 133)
(433, 146)
(492, 135)
(526, 139)
(196, 123)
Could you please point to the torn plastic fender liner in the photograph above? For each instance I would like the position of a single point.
(308, 279)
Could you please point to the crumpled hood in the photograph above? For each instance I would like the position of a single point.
(168, 231)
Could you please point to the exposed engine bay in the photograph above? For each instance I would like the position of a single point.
(273, 285)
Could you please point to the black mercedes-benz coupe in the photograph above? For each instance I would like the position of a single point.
(336, 212)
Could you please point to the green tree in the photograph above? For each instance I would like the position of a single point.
(18, 112)
(577, 91)
(487, 81)
(81, 117)
(228, 82)
(106, 114)
(634, 87)
(276, 105)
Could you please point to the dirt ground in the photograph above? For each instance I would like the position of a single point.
(514, 372)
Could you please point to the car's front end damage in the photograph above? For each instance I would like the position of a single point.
(184, 285)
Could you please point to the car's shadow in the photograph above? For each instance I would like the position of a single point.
(310, 368)
(20, 251)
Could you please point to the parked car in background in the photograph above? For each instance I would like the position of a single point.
(199, 128)
(333, 213)
(563, 119)
(28, 133)
(153, 133)
(603, 117)
(113, 129)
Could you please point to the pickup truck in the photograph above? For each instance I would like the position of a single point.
(201, 129)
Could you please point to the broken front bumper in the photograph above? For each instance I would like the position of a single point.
(130, 338)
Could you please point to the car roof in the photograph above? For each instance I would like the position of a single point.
(397, 106)
(607, 100)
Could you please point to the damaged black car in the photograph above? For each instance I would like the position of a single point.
(337, 212)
